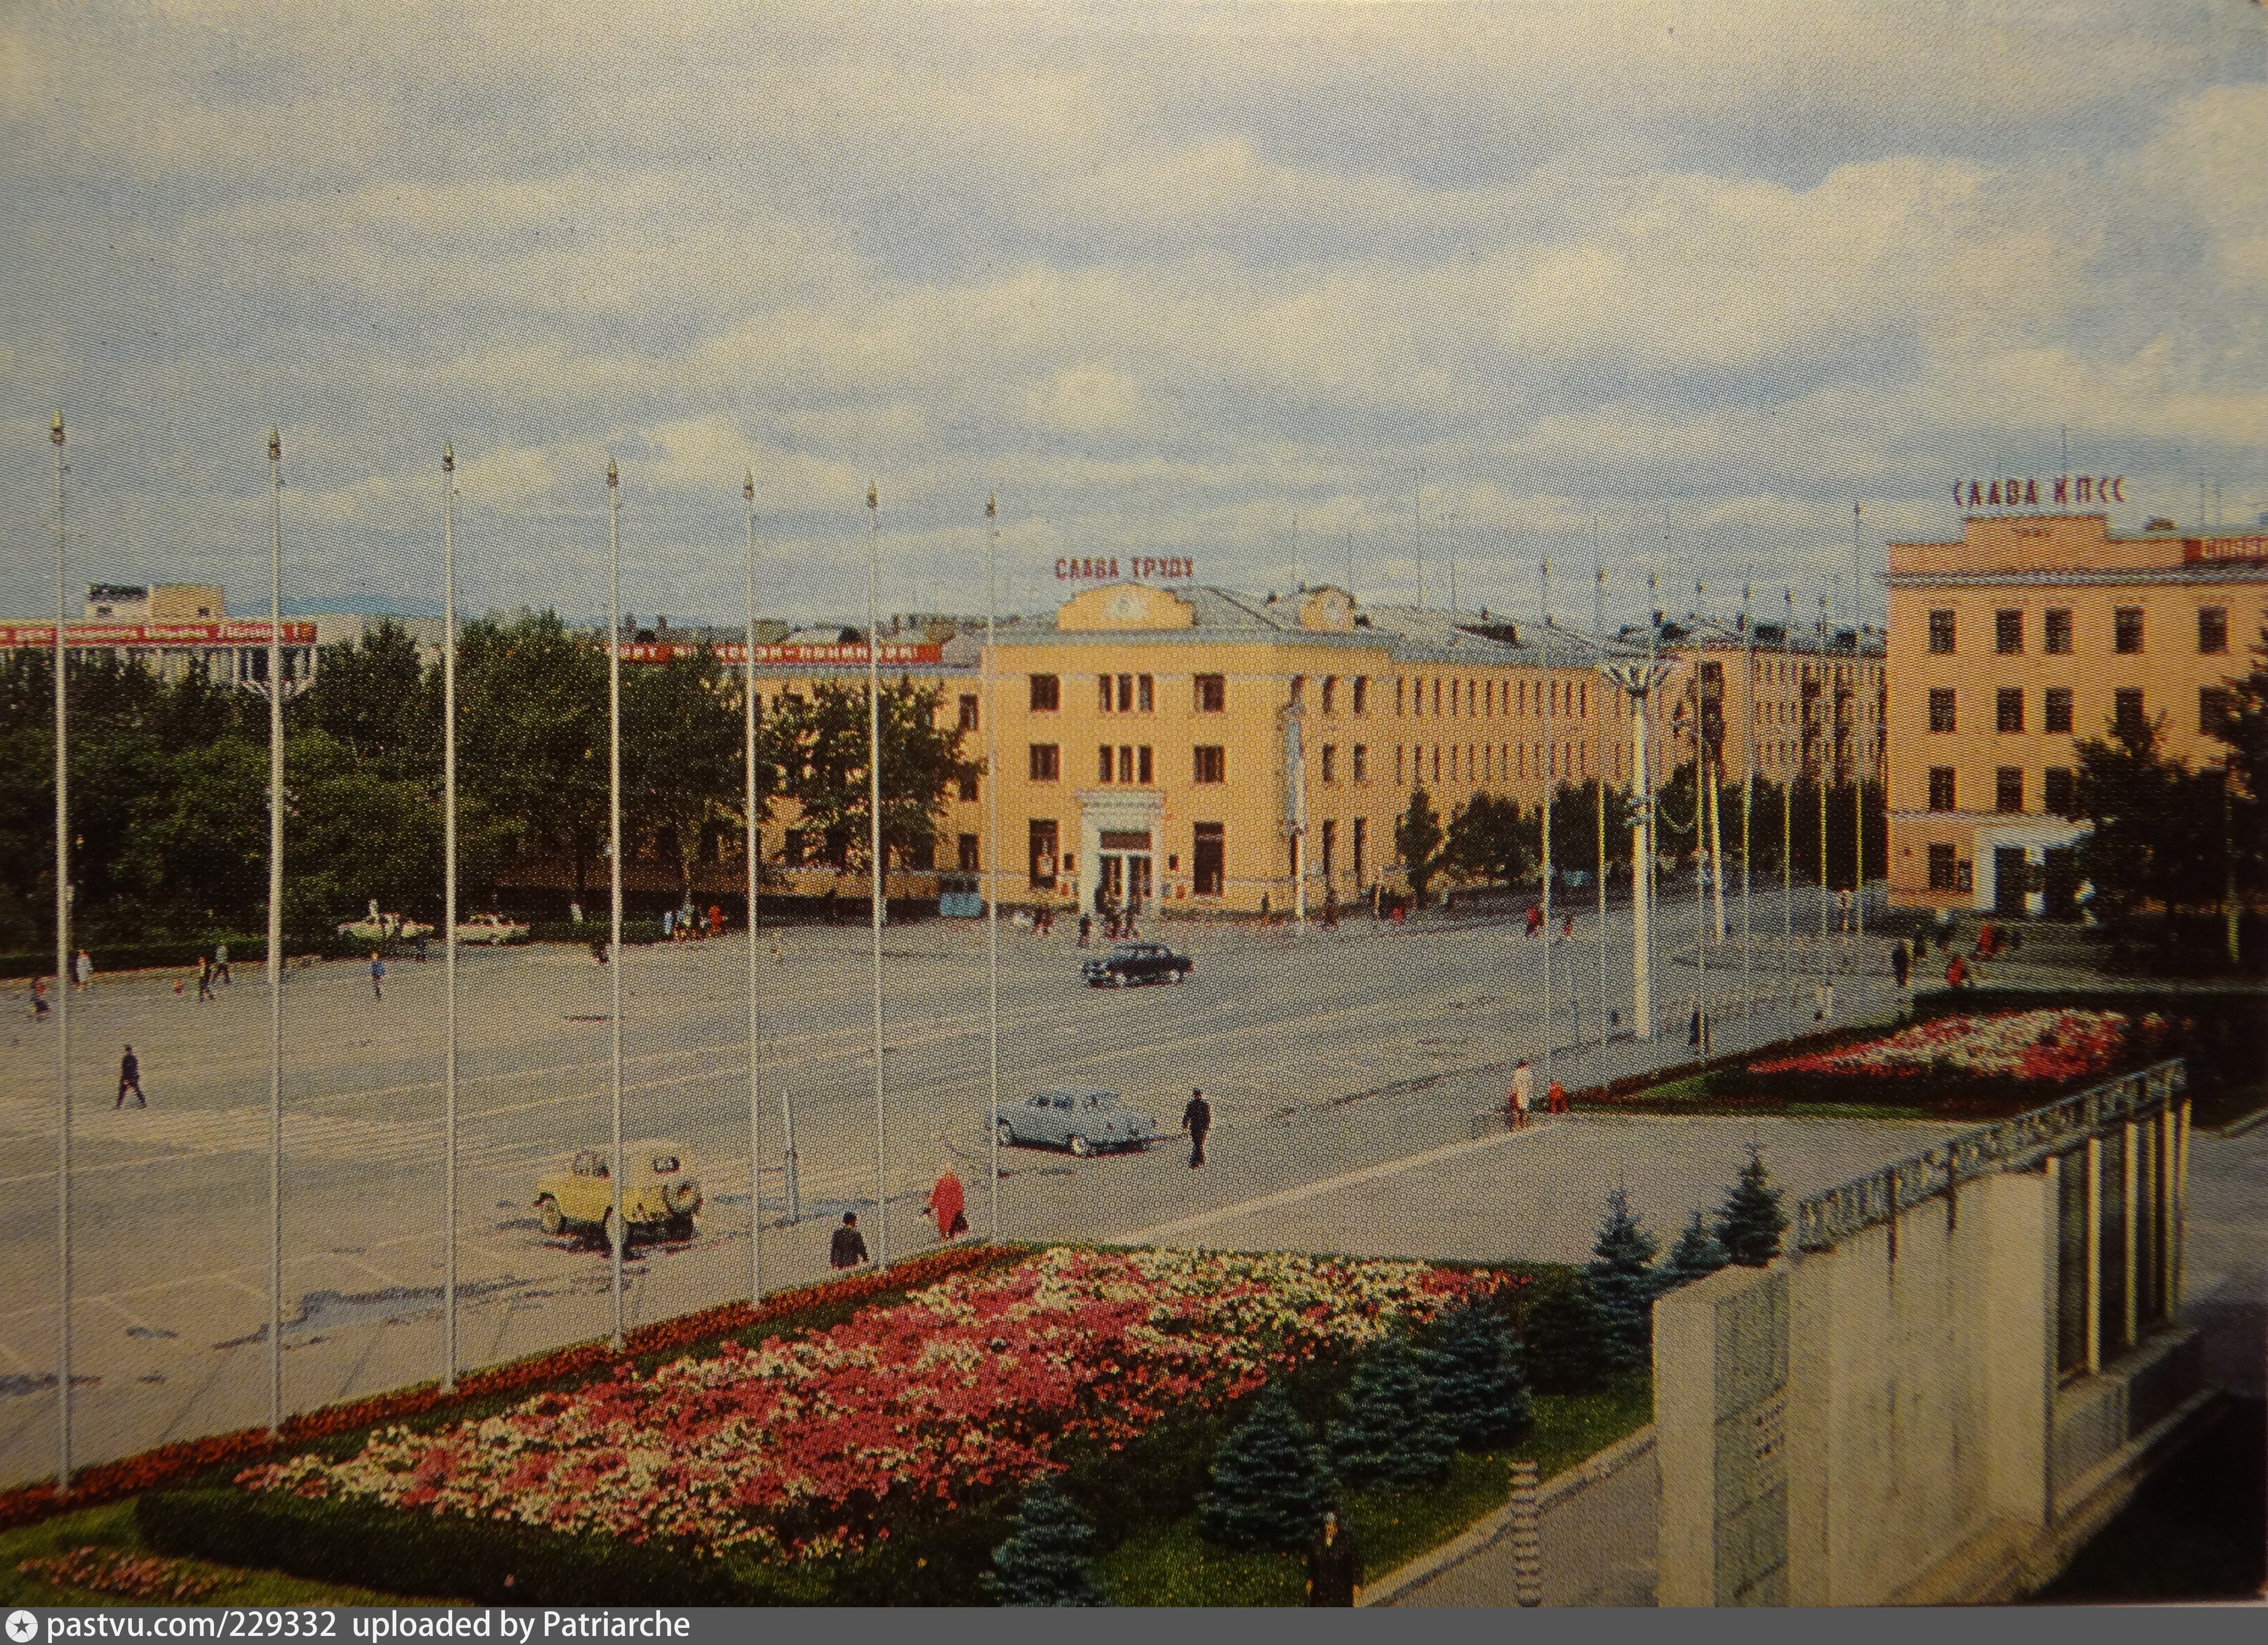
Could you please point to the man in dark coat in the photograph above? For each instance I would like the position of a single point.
(1901, 965)
(1334, 1566)
(848, 1249)
(1197, 1119)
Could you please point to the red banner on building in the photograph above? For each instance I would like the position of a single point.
(736, 653)
(150, 635)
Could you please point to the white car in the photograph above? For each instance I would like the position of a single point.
(379, 928)
(492, 928)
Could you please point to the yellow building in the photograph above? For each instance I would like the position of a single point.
(2008, 646)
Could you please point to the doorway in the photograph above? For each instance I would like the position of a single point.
(2012, 878)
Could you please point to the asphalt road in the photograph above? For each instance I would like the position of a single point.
(1323, 1054)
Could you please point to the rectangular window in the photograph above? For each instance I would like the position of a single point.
(2216, 707)
(1047, 762)
(1042, 857)
(2008, 789)
(1330, 692)
(1145, 692)
(1209, 765)
(1398, 683)
(1944, 872)
(967, 712)
(1126, 694)
(1940, 709)
(2212, 629)
(1330, 763)
(1047, 694)
(1208, 857)
(969, 786)
(1361, 840)
(2008, 632)
(1437, 699)
(2008, 709)
(1941, 633)
(970, 861)
(2059, 792)
(1361, 693)
(2073, 1216)
(2126, 630)
(795, 845)
(1144, 767)
(2126, 708)
(1437, 765)
(1361, 770)
(1102, 693)
(2056, 710)
(1330, 848)
(1941, 788)
(1105, 763)
(1212, 694)
(2058, 631)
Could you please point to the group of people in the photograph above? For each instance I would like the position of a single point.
(1117, 925)
(948, 1206)
(689, 924)
(1535, 922)
(1521, 1100)
(1961, 969)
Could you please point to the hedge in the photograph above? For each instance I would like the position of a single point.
(636, 931)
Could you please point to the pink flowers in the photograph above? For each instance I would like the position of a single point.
(2045, 1046)
(97, 1570)
(805, 1447)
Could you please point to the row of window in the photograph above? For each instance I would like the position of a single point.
(1138, 694)
(2057, 638)
(2059, 790)
(1137, 764)
(2215, 705)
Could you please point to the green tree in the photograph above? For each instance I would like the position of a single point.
(822, 746)
(1418, 841)
(1570, 1347)
(1473, 1382)
(531, 749)
(1623, 1277)
(376, 699)
(199, 856)
(681, 728)
(1388, 1433)
(2155, 834)
(1047, 1561)
(1750, 1222)
(1270, 1481)
(1695, 1256)
(1575, 827)
(1489, 839)
(2243, 731)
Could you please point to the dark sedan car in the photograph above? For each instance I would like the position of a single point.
(1130, 963)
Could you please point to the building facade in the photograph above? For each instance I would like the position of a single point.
(2011, 645)
(174, 629)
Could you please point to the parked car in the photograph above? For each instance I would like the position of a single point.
(492, 928)
(379, 928)
(660, 1192)
(1130, 963)
(1083, 1121)
(960, 897)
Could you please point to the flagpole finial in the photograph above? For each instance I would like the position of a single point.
(448, 457)
(57, 435)
(613, 477)
(992, 508)
(275, 444)
(748, 485)
(872, 497)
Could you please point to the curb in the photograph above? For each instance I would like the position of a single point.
(1483, 1534)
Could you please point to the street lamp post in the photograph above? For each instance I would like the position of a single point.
(1639, 681)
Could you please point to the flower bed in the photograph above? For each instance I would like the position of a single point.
(2040, 1047)
(125, 1574)
(809, 1447)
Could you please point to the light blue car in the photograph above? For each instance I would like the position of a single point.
(1083, 1121)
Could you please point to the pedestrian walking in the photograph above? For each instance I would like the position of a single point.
(129, 1079)
(377, 976)
(1555, 1098)
(1901, 964)
(1085, 928)
(599, 948)
(1334, 1566)
(1957, 973)
(40, 1007)
(1523, 1098)
(1693, 1030)
(1567, 929)
(204, 979)
(848, 1248)
(1842, 909)
(1534, 919)
(83, 971)
(947, 1205)
(221, 974)
(1197, 1119)
(1823, 1001)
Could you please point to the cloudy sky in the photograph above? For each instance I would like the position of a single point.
(1674, 283)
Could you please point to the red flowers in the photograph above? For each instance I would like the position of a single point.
(2047, 1046)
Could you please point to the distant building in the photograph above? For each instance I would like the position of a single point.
(174, 629)
(2010, 645)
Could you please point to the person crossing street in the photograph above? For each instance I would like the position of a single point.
(1197, 1119)
(129, 1079)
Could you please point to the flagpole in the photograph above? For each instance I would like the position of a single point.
(755, 875)
(1599, 807)
(876, 912)
(1550, 769)
(1787, 811)
(449, 915)
(1748, 802)
(275, 932)
(1826, 771)
(992, 829)
(617, 1234)
(1858, 774)
(62, 1003)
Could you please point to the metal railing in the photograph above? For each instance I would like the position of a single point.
(1824, 1220)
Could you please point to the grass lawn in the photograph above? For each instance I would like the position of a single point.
(113, 1527)
(1171, 1564)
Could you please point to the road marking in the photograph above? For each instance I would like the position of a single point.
(1307, 1190)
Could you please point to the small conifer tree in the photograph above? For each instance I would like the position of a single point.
(1473, 1378)
(1272, 1482)
(1388, 1435)
(1570, 1347)
(1695, 1256)
(1623, 1278)
(1750, 1225)
(1046, 1561)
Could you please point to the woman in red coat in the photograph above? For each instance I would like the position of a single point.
(947, 1205)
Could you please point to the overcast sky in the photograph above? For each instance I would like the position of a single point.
(1681, 280)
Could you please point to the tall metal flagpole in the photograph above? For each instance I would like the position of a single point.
(1708, 791)
(275, 932)
(1418, 538)
(1787, 809)
(756, 922)
(1702, 866)
(1599, 806)
(449, 915)
(1747, 802)
(1826, 773)
(616, 1231)
(1550, 769)
(992, 833)
(62, 1003)
(874, 846)
(1857, 772)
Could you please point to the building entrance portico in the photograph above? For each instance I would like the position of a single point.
(1118, 843)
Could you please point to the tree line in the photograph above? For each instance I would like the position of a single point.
(169, 780)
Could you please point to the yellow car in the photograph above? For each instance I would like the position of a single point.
(660, 1194)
